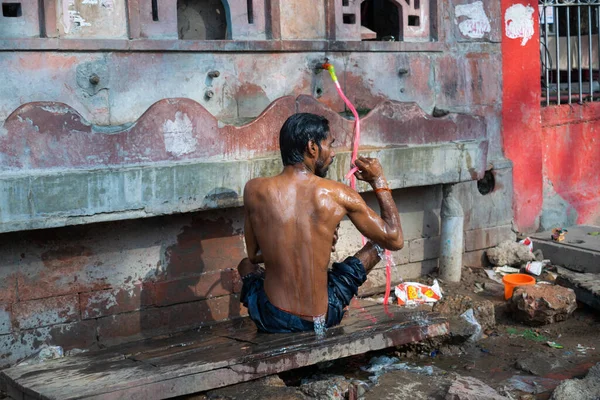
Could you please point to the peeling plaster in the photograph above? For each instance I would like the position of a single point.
(477, 24)
(518, 22)
(179, 135)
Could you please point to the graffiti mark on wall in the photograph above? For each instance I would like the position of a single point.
(477, 23)
(518, 22)
(179, 135)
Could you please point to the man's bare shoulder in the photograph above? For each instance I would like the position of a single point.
(257, 184)
(342, 193)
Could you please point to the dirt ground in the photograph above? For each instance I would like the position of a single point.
(512, 358)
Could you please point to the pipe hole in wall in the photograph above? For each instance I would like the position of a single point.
(349, 19)
(154, 10)
(12, 10)
(250, 7)
(487, 184)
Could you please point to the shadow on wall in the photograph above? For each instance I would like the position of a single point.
(199, 281)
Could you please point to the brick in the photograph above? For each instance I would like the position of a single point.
(5, 319)
(76, 335)
(43, 312)
(115, 301)
(205, 246)
(195, 288)
(376, 278)
(128, 327)
(475, 259)
(488, 237)
(8, 285)
(424, 249)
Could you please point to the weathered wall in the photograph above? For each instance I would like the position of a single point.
(571, 155)
(99, 284)
(107, 283)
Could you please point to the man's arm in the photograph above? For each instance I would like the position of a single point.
(254, 254)
(386, 230)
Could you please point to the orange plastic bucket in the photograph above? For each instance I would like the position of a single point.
(513, 280)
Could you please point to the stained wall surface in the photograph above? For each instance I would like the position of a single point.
(109, 104)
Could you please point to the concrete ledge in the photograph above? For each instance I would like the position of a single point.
(578, 252)
(37, 199)
(212, 46)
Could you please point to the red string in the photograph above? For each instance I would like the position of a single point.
(356, 141)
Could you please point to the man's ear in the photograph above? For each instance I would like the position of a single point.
(312, 149)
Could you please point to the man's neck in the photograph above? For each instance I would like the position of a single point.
(300, 169)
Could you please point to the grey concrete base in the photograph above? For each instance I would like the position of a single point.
(54, 198)
(578, 252)
(586, 286)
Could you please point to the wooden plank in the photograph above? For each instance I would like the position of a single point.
(198, 361)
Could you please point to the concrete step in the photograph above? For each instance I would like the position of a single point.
(579, 252)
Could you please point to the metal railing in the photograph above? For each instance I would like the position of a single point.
(569, 50)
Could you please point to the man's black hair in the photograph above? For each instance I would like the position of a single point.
(297, 131)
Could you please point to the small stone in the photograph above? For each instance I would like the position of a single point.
(468, 388)
(330, 387)
(509, 253)
(580, 389)
(542, 304)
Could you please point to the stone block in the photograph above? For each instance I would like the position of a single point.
(150, 322)
(115, 301)
(5, 319)
(478, 239)
(415, 85)
(44, 312)
(469, 78)
(241, 27)
(475, 24)
(99, 19)
(193, 288)
(542, 304)
(469, 388)
(76, 335)
(586, 388)
(492, 209)
(586, 286)
(166, 25)
(302, 20)
(8, 284)
(22, 19)
(424, 249)
(476, 258)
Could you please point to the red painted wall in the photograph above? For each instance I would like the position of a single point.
(571, 147)
(521, 119)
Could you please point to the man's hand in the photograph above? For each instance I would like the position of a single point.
(370, 171)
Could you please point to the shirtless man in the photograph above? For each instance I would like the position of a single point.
(291, 226)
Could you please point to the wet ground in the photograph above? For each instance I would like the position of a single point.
(512, 358)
